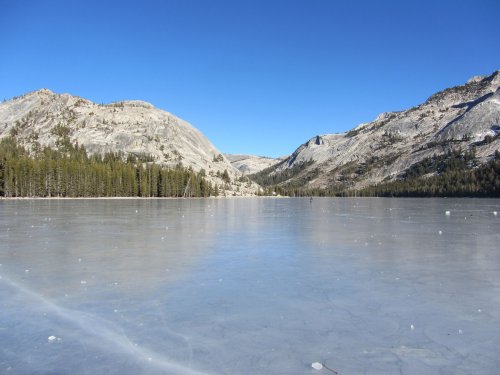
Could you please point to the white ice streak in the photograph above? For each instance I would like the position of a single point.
(105, 332)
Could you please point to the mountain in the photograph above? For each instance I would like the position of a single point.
(249, 164)
(465, 118)
(42, 118)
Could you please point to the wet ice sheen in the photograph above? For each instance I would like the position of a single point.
(250, 286)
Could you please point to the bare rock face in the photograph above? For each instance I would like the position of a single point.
(130, 127)
(249, 164)
(458, 117)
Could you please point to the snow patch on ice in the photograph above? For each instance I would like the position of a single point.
(317, 366)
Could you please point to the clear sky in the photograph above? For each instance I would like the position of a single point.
(255, 76)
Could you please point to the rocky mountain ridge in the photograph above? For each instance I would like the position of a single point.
(135, 127)
(466, 117)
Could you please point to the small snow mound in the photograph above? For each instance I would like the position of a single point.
(447, 213)
(51, 338)
(317, 366)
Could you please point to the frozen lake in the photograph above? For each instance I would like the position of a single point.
(250, 286)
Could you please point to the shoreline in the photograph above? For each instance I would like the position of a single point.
(141, 198)
(227, 197)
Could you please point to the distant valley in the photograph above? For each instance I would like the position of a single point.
(249, 164)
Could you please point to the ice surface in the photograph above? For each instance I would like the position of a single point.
(250, 286)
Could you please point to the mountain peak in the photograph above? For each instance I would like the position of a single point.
(493, 78)
(41, 92)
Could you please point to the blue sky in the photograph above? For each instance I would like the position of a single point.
(259, 77)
